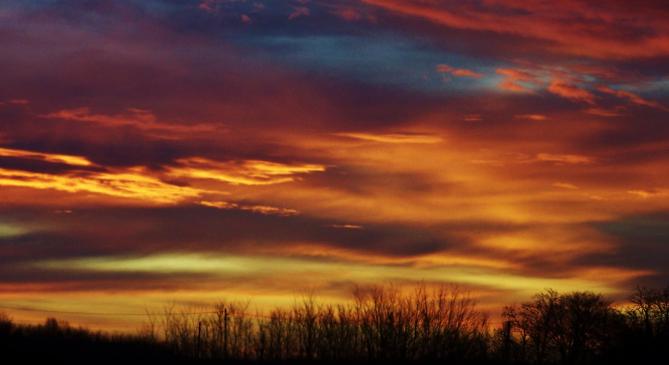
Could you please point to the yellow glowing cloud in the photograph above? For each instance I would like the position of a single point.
(259, 266)
(535, 117)
(262, 209)
(249, 172)
(393, 137)
(564, 158)
(9, 230)
(565, 185)
(347, 226)
(645, 194)
(131, 184)
(49, 157)
(439, 259)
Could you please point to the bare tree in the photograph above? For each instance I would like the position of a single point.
(569, 328)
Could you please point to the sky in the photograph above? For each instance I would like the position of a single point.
(182, 152)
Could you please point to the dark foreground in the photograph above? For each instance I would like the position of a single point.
(382, 325)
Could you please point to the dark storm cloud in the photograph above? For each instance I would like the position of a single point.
(362, 181)
(95, 232)
(18, 278)
(641, 242)
(639, 126)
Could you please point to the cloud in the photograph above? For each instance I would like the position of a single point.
(564, 185)
(604, 112)
(347, 13)
(299, 11)
(459, 72)
(13, 102)
(347, 226)
(640, 241)
(566, 90)
(473, 118)
(137, 118)
(516, 80)
(633, 98)
(48, 157)
(89, 232)
(241, 172)
(271, 145)
(564, 158)
(132, 184)
(574, 28)
(534, 117)
(645, 194)
(262, 209)
(393, 138)
(209, 6)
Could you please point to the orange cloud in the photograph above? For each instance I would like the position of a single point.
(516, 80)
(604, 112)
(459, 72)
(568, 91)
(645, 194)
(138, 118)
(473, 202)
(593, 34)
(133, 184)
(535, 117)
(347, 226)
(634, 98)
(241, 172)
(393, 137)
(49, 157)
(473, 118)
(564, 158)
(564, 185)
(261, 209)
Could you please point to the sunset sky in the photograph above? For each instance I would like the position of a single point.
(186, 151)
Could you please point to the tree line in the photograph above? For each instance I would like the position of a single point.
(380, 324)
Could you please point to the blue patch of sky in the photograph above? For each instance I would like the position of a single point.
(324, 44)
(386, 59)
(651, 89)
(319, 44)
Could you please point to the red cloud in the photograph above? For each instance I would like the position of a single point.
(534, 117)
(514, 77)
(564, 89)
(299, 12)
(348, 14)
(459, 72)
(207, 5)
(573, 27)
(634, 98)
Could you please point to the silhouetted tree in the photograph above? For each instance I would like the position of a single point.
(380, 324)
(647, 334)
(6, 324)
(570, 328)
